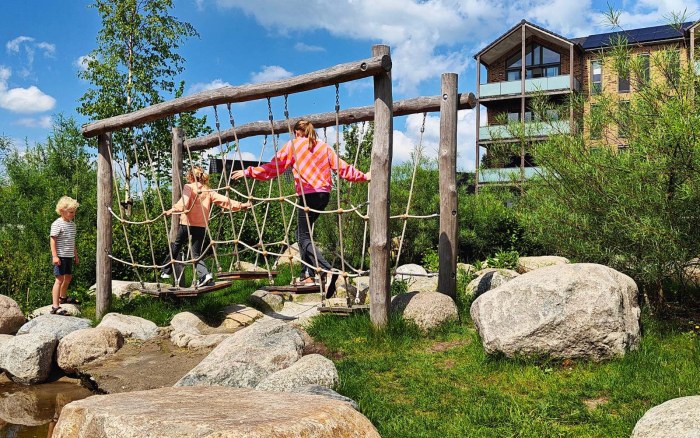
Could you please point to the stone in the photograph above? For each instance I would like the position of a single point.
(427, 309)
(57, 326)
(37, 405)
(130, 326)
(465, 268)
(238, 316)
(289, 254)
(489, 278)
(72, 310)
(326, 392)
(191, 332)
(87, 345)
(527, 264)
(248, 356)
(678, 417)
(217, 412)
(579, 310)
(27, 358)
(126, 289)
(265, 301)
(407, 271)
(312, 369)
(11, 316)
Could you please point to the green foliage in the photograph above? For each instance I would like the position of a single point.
(431, 260)
(503, 260)
(634, 209)
(35, 179)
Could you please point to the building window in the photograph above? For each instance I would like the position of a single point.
(596, 122)
(540, 62)
(623, 79)
(596, 77)
(644, 70)
(623, 119)
(673, 66)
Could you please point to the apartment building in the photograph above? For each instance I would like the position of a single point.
(555, 67)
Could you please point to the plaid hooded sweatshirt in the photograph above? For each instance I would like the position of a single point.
(312, 168)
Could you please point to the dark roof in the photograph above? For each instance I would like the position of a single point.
(512, 29)
(634, 36)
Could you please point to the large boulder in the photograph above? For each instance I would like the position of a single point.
(36, 405)
(27, 358)
(312, 369)
(248, 356)
(565, 311)
(679, 417)
(487, 279)
(216, 412)
(527, 264)
(266, 302)
(427, 309)
(71, 309)
(130, 326)
(409, 271)
(87, 345)
(326, 392)
(11, 316)
(191, 332)
(56, 325)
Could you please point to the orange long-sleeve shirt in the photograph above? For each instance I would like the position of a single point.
(197, 204)
(312, 169)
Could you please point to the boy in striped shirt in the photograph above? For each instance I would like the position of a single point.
(64, 253)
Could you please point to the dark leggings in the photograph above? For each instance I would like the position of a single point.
(198, 237)
(309, 253)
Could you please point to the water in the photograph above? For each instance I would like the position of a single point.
(32, 411)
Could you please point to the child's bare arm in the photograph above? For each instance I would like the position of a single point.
(54, 252)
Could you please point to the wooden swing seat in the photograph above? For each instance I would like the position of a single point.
(245, 275)
(344, 310)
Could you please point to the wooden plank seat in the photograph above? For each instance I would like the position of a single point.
(344, 310)
(168, 290)
(245, 275)
(306, 289)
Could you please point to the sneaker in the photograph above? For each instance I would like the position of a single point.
(164, 275)
(205, 280)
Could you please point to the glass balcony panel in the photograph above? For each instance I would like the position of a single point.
(533, 129)
(488, 90)
(505, 88)
(506, 175)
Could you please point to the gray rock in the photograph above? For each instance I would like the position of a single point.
(527, 264)
(72, 310)
(11, 316)
(27, 358)
(216, 412)
(266, 302)
(489, 278)
(565, 311)
(427, 309)
(326, 392)
(678, 418)
(87, 345)
(130, 326)
(408, 271)
(312, 369)
(248, 356)
(55, 325)
(290, 254)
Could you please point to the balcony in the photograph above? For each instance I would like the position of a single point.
(509, 88)
(506, 175)
(532, 129)
(697, 67)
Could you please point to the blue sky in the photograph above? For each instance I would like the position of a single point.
(246, 41)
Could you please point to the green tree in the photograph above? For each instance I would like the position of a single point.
(636, 208)
(134, 64)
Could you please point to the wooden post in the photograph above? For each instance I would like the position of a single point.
(447, 247)
(176, 151)
(382, 150)
(104, 225)
(523, 74)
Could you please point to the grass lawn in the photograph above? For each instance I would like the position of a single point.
(441, 384)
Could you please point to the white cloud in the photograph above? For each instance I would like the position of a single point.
(301, 47)
(14, 45)
(29, 47)
(22, 100)
(83, 61)
(206, 86)
(38, 122)
(270, 73)
(48, 48)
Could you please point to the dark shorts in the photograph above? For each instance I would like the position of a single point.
(65, 268)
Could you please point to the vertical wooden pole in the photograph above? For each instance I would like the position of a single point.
(571, 86)
(447, 247)
(178, 143)
(382, 150)
(104, 226)
(523, 74)
(477, 108)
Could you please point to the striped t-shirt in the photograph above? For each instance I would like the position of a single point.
(64, 232)
(311, 167)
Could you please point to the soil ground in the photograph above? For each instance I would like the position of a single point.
(141, 365)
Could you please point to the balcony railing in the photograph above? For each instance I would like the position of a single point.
(532, 129)
(506, 175)
(553, 83)
(697, 67)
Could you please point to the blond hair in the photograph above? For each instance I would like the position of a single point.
(66, 203)
(197, 174)
(309, 132)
